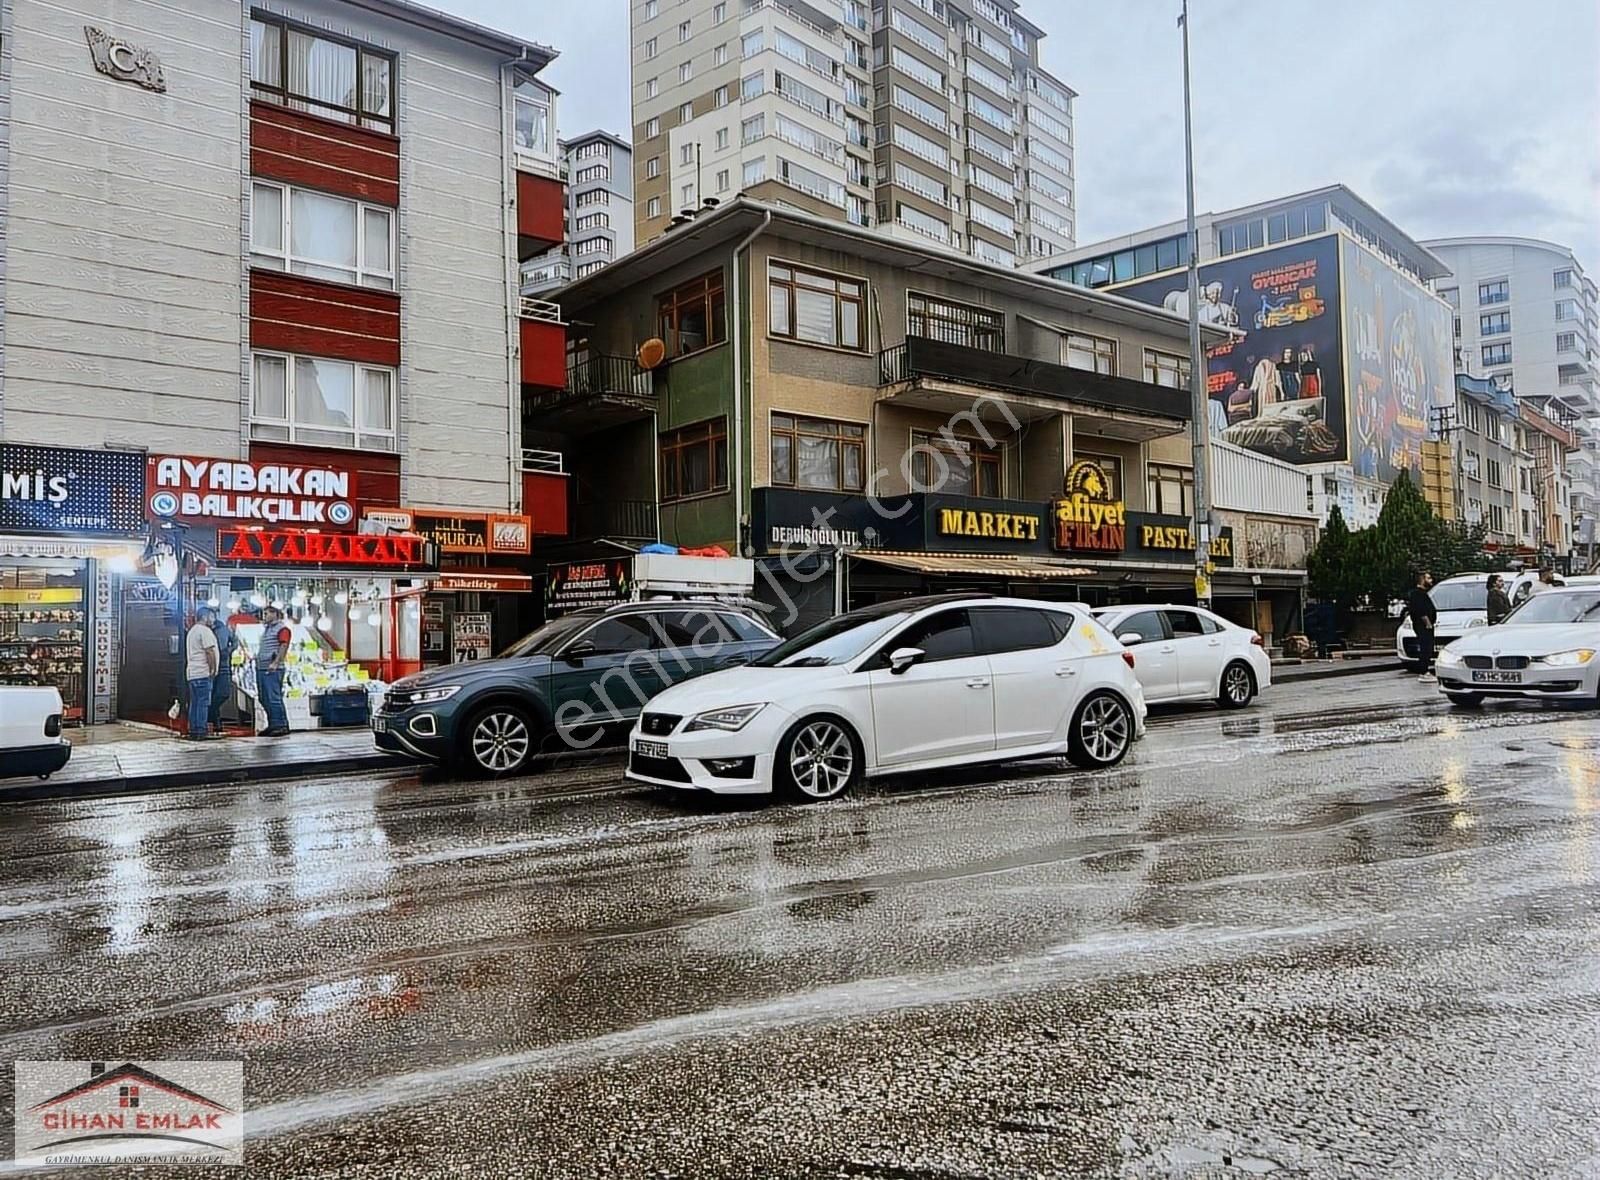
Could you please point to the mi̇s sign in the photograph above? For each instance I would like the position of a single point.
(248, 547)
(1089, 517)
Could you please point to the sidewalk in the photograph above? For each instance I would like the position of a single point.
(1344, 664)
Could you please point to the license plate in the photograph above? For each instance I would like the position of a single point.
(650, 749)
(1497, 678)
(380, 725)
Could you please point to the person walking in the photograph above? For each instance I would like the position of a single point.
(200, 668)
(1424, 617)
(1499, 600)
(222, 683)
(275, 637)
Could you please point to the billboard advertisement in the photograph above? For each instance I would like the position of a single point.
(1397, 351)
(1279, 390)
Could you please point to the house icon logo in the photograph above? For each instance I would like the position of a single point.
(151, 1111)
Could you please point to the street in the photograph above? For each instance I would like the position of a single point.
(1346, 931)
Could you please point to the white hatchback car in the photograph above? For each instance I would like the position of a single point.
(1548, 648)
(1186, 653)
(917, 684)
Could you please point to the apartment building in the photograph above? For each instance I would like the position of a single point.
(1527, 317)
(260, 300)
(598, 167)
(929, 120)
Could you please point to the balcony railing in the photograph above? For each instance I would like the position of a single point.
(540, 309)
(631, 519)
(962, 365)
(548, 462)
(600, 391)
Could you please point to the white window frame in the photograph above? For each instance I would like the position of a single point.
(283, 260)
(288, 430)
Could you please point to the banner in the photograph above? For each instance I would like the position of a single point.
(196, 489)
(470, 636)
(66, 490)
(574, 585)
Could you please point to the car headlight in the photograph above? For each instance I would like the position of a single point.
(1566, 659)
(429, 696)
(731, 719)
(1448, 659)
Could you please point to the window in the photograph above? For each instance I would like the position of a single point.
(616, 636)
(1041, 151)
(1094, 353)
(686, 196)
(1497, 354)
(719, 13)
(595, 221)
(321, 402)
(1495, 324)
(650, 48)
(652, 87)
(1457, 326)
(310, 233)
(692, 317)
(722, 139)
(652, 207)
(685, 71)
(755, 171)
(324, 75)
(683, 32)
(686, 154)
(753, 86)
(1147, 625)
(955, 465)
(651, 8)
(652, 167)
(652, 127)
(932, 318)
(586, 246)
(992, 218)
(1563, 278)
(915, 67)
(1566, 341)
(993, 79)
(719, 55)
(1495, 474)
(1186, 624)
(592, 172)
(818, 453)
(685, 112)
(1170, 489)
(595, 196)
(752, 43)
(1498, 291)
(921, 146)
(722, 181)
(694, 460)
(816, 308)
(944, 636)
(1000, 629)
(1566, 309)
(923, 223)
(921, 108)
(588, 268)
(929, 39)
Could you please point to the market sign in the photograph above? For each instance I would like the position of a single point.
(65, 490)
(248, 547)
(474, 532)
(1089, 517)
(199, 489)
(574, 585)
(997, 526)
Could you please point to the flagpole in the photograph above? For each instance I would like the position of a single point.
(1200, 426)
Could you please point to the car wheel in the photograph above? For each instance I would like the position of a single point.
(819, 758)
(1101, 733)
(499, 740)
(1465, 700)
(1238, 686)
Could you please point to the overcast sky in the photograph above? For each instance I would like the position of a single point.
(1450, 116)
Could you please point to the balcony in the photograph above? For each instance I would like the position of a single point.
(541, 214)
(544, 343)
(627, 520)
(949, 378)
(598, 392)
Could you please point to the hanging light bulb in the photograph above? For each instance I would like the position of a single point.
(298, 598)
(325, 623)
(374, 618)
(233, 606)
(213, 602)
(257, 600)
(277, 604)
(341, 598)
(316, 600)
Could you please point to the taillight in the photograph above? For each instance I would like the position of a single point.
(1127, 658)
(52, 725)
(1256, 639)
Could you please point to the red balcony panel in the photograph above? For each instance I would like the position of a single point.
(377, 475)
(541, 214)
(299, 148)
(293, 313)
(544, 354)
(544, 498)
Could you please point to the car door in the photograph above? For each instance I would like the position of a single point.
(604, 675)
(1199, 654)
(1155, 656)
(942, 707)
(1034, 672)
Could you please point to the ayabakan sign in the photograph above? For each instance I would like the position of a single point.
(192, 488)
(248, 547)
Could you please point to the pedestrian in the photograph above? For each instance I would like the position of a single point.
(1424, 616)
(1499, 601)
(200, 668)
(222, 684)
(275, 637)
(1547, 581)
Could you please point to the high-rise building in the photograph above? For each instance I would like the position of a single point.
(931, 119)
(1528, 318)
(598, 167)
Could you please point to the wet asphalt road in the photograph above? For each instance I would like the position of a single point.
(1345, 932)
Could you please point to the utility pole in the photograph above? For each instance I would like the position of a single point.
(1200, 426)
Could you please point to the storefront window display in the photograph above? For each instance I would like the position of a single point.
(43, 629)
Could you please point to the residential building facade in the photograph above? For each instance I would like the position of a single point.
(930, 119)
(598, 167)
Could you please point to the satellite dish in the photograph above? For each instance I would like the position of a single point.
(651, 353)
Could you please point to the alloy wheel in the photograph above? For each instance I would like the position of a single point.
(821, 760)
(1236, 683)
(501, 741)
(1105, 729)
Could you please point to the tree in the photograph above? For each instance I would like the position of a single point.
(1328, 565)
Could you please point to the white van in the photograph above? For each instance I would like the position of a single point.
(30, 732)
(1463, 604)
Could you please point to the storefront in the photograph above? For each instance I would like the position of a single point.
(70, 521)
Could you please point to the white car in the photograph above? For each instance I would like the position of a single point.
(30, 732)
(917, 684)
(1186, 653)
(1548, 648)
(1463, 605)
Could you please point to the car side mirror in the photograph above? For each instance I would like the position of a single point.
(1129, 638)
(576, 653)
(902, 658)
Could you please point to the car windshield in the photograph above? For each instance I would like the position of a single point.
(1582, 606)
(1473, 595)
(546, 639)
(834, 641)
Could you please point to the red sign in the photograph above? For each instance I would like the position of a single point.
(251, 547)
(485, 581)
(190, 488)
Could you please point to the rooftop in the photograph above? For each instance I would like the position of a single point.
(529, 53)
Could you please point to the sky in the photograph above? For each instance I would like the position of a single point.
(1451, 117)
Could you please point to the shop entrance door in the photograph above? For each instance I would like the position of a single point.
(151, 677)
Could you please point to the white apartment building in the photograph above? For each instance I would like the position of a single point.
(1528, 318)
(598, 167)
(928, 119)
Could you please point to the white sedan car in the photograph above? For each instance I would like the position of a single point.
(917, 684)
(1547, 649)
(1186, 653)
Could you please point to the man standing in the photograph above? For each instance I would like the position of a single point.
(222, 683)
(275, 637)
(1419, 604)
(1499, 603)
(1547, 581)
(200, 668)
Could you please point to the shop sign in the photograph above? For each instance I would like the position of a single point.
(574, 585)
(792, 520)
(994, 526)
(395, 520)
(67, 490)
(488, 583)
(198, 489)
(1089, 517)
(1170, 538)
(474, 532)
(44, 596)
(470, 636)
(264, 547)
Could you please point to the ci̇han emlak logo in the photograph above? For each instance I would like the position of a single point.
(93, 1111)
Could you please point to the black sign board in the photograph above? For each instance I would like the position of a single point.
(66, 491)
(791, 520)
(574, 585)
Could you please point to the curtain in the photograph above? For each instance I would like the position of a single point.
(323, 71)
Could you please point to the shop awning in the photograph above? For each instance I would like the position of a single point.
(101, 548)
(984, 566)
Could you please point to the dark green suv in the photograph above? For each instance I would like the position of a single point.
(577, 683)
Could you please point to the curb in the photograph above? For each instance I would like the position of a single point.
(143, 784)
(1340, 668)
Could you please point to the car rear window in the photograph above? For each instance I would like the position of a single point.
(1013, 628)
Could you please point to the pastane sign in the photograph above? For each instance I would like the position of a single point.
(187, 487)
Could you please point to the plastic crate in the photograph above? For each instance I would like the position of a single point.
(344, 709)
